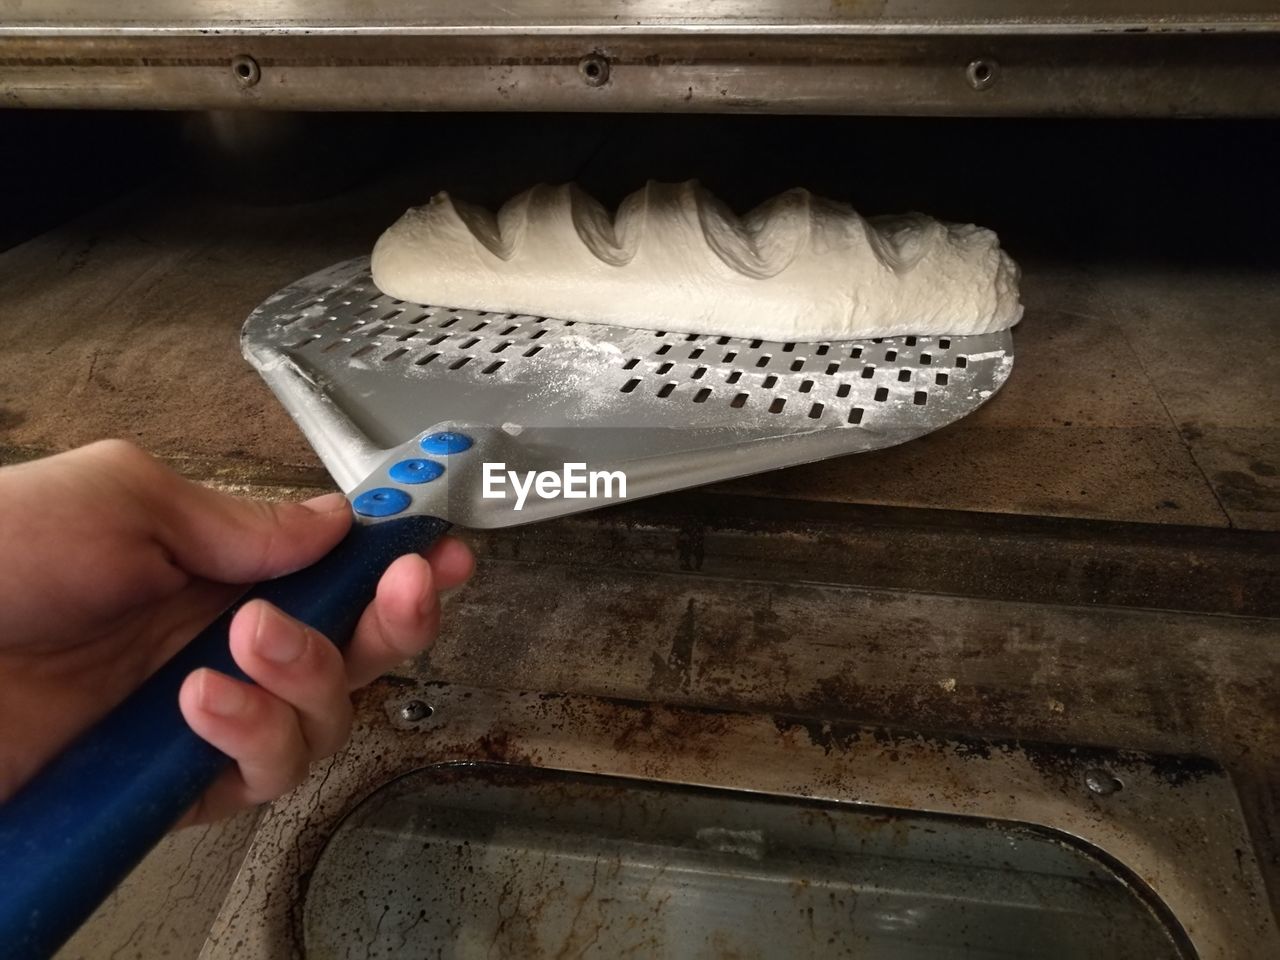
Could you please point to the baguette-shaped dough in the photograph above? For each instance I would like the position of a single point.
(675, 258)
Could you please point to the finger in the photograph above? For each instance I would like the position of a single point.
(401, 622)
(299, 666)
(221, 537)
(258, 731)
(452, 563)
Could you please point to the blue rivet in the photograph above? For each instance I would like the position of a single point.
(443, 444)
(381, 502)
(415, 471)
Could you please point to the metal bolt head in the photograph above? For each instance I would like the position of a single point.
(981, 73)
(246, 70)
(594, 69)
(1101, 782)
(415, 710)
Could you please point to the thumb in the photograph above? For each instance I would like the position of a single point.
(232, 540)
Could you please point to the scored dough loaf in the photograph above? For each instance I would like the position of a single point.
(675, 258)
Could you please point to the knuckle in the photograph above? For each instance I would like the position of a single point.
(265, 523)
(136, 471)
(116, 447)
(121, 453)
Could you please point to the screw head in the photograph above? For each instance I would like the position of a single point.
(594, 70)
(981, 73)
(1102, 782)
(246, 70)
(415, 710)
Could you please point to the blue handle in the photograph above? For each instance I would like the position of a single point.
(70, 835)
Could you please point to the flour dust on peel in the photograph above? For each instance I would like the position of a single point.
(675, 258)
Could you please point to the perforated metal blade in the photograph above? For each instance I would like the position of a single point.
(368, 377)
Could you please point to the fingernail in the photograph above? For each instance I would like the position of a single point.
(278, 638)
(329, 503)
(220, 696)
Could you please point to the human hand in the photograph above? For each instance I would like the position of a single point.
(110, 562)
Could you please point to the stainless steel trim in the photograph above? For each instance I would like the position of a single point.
(1188, 60)
(610, 17)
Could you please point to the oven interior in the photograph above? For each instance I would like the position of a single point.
(1078, 579)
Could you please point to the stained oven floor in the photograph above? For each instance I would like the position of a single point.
(1091, 558)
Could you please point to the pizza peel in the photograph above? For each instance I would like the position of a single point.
(428, 416)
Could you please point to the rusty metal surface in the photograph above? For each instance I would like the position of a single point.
(1147, 73)
(1169, 682)
(992, 556)
(1174, 823)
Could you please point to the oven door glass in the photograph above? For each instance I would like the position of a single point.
(486, 860)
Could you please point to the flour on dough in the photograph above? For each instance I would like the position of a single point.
(675, 258)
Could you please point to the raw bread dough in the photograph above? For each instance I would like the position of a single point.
(675, 258)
